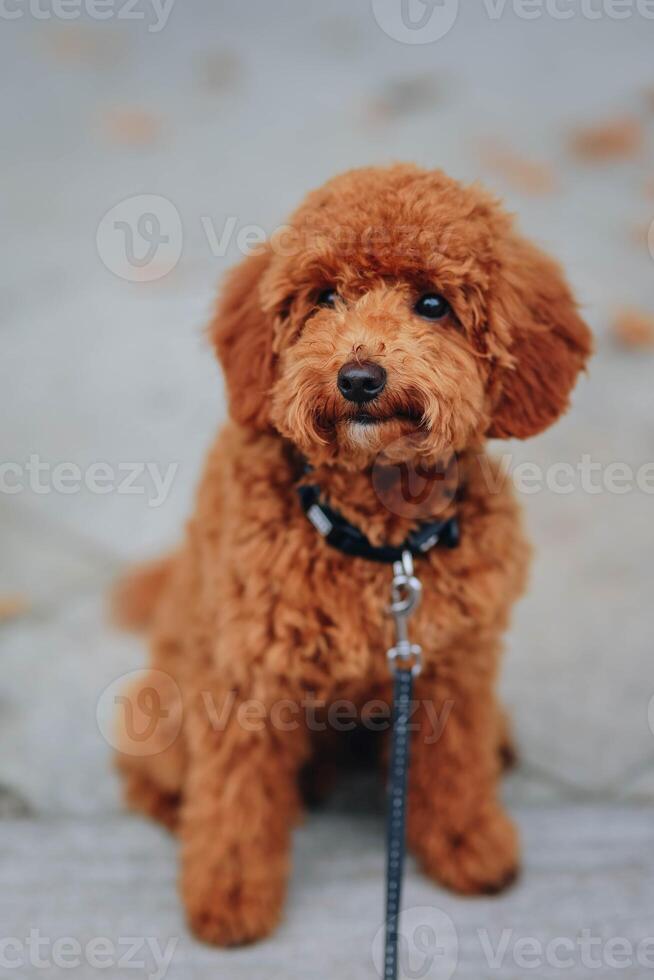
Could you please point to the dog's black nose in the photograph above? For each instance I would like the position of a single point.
(361, 382)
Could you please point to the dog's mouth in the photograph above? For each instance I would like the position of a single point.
(368, 418)
(371, 424)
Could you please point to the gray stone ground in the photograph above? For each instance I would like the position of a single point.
(251, 105)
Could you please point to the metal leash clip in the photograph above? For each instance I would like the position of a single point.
(406, 591)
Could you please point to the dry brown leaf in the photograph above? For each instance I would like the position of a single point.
(220, 69)
(633, 329)
(401, 97)
(524, 175)
(615, 139)
(12, 606)
(132, 127)
(79, 44)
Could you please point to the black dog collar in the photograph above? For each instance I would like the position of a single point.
(340, 534)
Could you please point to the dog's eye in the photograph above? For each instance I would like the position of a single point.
(327, 297)
(432, 306)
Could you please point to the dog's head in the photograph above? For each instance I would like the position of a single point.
(398, 315)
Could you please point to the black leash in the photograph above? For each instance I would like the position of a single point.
(404, 658)
(396, 817)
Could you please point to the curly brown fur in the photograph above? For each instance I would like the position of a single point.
(257, 609)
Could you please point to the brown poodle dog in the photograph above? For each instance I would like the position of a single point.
(393, 326)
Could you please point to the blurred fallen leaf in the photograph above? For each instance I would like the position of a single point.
(13, 805)
(524, 175)
(220, 69)
(80, 44)
(612, 140)
(633, 329)
(12, 606)
(132, 127)
(648, 187)
(401, 97)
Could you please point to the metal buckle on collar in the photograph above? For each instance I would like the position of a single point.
(406, 590)
(319, 519)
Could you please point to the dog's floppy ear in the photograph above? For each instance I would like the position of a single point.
(543, 342)
(242, 334)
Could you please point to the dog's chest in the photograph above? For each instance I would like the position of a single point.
(331, 611)
(319, 619)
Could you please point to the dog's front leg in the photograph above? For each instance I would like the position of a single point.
(456, 826)
(240, 803)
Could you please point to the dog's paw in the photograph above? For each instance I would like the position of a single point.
(230, 910)
(483, 860)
